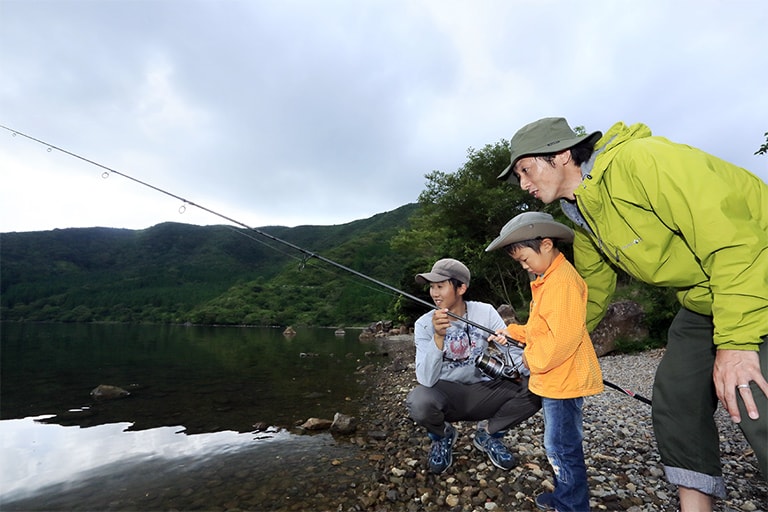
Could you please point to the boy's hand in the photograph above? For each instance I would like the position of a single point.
(500, 337)
(441, 321)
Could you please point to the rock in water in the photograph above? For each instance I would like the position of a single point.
(317, 424)
(107, 392)
(343, 424)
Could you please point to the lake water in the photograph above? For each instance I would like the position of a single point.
(196, 394)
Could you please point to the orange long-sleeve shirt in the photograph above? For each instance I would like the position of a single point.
(558, 350)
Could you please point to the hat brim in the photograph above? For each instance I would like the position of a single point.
(431, 277)
(531, 231)
(508, 175)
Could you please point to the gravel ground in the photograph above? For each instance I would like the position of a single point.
(621, 456)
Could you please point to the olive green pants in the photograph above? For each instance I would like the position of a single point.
(684, 402)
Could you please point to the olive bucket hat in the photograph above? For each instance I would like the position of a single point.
(528, 226)
(542, 137)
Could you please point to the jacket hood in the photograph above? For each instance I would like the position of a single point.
(609, 144)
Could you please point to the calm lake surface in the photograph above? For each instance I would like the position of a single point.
(196, 394)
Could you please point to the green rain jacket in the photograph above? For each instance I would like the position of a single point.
(674, 216)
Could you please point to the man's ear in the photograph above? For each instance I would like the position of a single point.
(563, 157)
(461, 290)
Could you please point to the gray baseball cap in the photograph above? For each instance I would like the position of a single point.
(528, 226)
(542, 137)
(444, 270)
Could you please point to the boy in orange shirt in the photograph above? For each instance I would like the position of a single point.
(558, 350)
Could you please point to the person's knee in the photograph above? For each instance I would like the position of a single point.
(417, 405)
(534, 402)
(530, 403)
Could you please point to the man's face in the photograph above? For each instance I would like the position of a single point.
(539, 178)
(444, 294)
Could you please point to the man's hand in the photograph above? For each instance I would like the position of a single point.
(733, 372)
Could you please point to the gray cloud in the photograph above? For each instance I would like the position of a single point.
(302, 112)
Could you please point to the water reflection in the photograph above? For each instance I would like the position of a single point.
(196, 394)
(220, 471)
(206, 379)
(44, 455)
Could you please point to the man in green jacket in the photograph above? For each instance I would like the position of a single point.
(672, 216)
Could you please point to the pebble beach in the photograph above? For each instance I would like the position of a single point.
(622, 460)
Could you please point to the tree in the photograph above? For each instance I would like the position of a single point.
(460, 214)
(764, 148)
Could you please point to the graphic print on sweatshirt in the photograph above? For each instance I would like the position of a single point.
(460, 348)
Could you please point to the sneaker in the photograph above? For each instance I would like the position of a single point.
(499, 454)
(544, 501)
(441, 453)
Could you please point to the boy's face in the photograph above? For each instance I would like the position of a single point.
(532, 261)
(445, 295)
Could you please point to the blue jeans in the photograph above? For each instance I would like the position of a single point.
(562, 441)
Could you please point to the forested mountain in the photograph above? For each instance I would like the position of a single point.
(178, 273)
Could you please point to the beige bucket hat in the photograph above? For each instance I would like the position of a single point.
(528, 226)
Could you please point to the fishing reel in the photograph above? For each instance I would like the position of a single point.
(496, 367)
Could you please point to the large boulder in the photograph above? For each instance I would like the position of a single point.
(508, 314)
(623, 320)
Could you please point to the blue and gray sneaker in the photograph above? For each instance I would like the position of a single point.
(544, 501)
(441, 453)
(499, 454)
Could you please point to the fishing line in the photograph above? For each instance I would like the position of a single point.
(303, 261)
(308, 254)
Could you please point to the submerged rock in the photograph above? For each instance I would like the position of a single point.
(317, 424)
(108, 392)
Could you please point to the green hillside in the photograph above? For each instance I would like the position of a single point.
(175, 273)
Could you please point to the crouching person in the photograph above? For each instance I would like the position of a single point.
(451, 388)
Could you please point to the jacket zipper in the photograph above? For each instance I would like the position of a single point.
(633, 242)
(590, 223)
(588, 219)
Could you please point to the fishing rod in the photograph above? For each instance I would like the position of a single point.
(627, 392)
(308, 254)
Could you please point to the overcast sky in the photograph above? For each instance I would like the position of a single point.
(323, 112)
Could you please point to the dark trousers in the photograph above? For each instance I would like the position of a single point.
(504, 403)
(684, 402)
